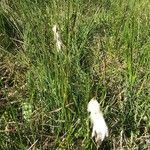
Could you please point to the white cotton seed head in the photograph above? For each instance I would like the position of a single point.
(54, 28)
(93, 106)
(57, 37)
(100, 129)
(58, 45)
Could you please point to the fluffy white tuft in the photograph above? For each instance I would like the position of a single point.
(100, 129)
(57, 37)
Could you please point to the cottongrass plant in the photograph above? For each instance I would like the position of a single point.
(105, 48)
(100, 129)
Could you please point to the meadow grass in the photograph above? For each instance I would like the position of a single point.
(44, 93)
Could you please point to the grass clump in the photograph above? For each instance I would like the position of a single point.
(44, 92)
